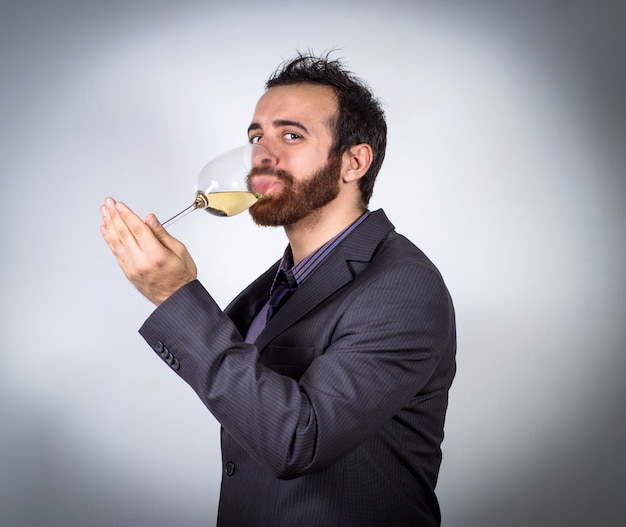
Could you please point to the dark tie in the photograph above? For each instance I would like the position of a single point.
(284, 287)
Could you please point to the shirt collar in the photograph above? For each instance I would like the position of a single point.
(296, 274)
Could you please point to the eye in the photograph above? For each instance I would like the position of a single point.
(291, 136)
(254, 139)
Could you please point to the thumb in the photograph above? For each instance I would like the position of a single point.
(164, 237)
(155, 225)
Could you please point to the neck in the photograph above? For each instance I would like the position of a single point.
(315, 230)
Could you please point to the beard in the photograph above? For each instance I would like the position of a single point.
(298, 199)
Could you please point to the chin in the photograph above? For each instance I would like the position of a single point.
(271, 213)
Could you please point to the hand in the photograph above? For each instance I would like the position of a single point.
(155, 262)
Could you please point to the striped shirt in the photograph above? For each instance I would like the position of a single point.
(297, 274)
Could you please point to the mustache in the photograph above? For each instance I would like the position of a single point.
(269, 171)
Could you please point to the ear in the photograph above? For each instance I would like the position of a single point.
(356, 161)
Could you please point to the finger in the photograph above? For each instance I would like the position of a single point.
(111, 236)
(142, 234)
(164, 237)
(104, 208)
(104, 214)
(153, 222)
(118, 234)
(107, 229)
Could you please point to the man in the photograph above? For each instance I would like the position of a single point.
(332, 407)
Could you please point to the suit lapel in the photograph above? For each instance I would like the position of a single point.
(249, 302)
(333, 274)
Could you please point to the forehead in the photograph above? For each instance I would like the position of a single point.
(308, 103)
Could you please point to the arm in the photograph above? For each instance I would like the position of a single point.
(378, 361)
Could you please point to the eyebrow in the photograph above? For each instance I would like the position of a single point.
(278, 123)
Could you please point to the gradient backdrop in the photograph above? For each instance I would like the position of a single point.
(505, 164)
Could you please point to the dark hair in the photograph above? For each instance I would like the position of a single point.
(360, 117)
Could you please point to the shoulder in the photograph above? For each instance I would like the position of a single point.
(381, 249)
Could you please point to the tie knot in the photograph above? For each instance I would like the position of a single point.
(285, 279)
(284, 286)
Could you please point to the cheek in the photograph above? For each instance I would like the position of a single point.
(302, 162)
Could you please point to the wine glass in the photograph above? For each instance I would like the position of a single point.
(222, 187)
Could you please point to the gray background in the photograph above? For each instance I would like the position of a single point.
(505, 164)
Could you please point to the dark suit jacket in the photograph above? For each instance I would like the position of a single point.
(335, 417)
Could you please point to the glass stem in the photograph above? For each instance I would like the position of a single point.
(180, 215)
(201, 202)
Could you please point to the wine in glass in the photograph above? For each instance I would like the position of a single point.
(222, 187)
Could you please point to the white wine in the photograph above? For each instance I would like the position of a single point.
(219, 204)
(228, 203)
(221, 187)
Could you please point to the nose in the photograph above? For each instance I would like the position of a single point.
(262, 158)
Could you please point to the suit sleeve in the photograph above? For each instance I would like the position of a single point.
(389, 340)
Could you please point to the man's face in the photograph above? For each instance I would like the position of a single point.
(294, 124)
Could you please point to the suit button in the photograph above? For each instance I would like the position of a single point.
(229, 468)
(159, 347)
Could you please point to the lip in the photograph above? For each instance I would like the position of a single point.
(265, 185)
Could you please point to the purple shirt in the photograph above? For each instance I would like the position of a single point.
(297, 274)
